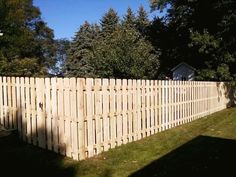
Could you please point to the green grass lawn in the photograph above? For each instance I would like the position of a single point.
(202, 148)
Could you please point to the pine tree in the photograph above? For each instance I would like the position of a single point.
(142, 21)
(81, 54)
(126, 54)
(129, 19)
(109, 22)
(112, 50)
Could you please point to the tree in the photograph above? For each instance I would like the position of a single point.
(109, 22)
(27, 47)
(112, 50)
(202, 34)
(62, 47)
(126, 54)
(142, 21)
(129, 19)
(81, 53)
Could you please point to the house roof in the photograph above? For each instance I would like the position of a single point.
(181, 64)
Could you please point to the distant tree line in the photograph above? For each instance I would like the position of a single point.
(198, 32)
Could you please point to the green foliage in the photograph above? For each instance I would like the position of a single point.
(109, 22)
(142, 21)
(62, 47)
(80, 60)
(129, 19)
(201, 33)
(20, 67)
(26, 37)
(115, 49)
(126, 55)
(159, 4)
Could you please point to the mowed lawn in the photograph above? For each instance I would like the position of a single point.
(205, 147)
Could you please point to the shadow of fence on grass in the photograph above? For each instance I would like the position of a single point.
(200, 157)
(18, 158)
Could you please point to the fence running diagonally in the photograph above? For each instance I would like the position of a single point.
(80, 117)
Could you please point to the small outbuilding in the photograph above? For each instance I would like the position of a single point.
(183, 72)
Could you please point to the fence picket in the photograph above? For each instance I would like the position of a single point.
(2, 119)
(33, 111)
(48, 113)
(112, 102)
(119, 112)
(54, 114)
(28, 109)
(9, 105)
(14, 108)
(74, 119)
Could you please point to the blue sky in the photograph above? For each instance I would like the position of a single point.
(66, 16)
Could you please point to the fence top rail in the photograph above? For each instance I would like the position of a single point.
(173, 81)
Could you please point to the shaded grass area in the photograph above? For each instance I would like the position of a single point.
(205, 147)
(19, 159)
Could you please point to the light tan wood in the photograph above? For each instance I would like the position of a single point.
(48, 116)
(152, 109)
(61, 122)
(163, 105)
(138, 104)
(130, 110)
(14, 108)
(112, 113)
(170, 102)
(143, 104)
(124, 111)
(74, 119)
(28, 110)
(134, 111)
(67, 117)
(33, 111)
(147, 106)
(54, 115)
(105, 112)
(119, 112)
(41, 128)
(18, 104)
(81, 119)
(98, 114)
(159, 106)
(9, 104)
(89, 101)
(23, 108)
(1, 102)
(175, 103)
(178, 103)
(5, 106)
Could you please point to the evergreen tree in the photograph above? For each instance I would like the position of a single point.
(81, 54)
(27, 46)
(142, 21)
(126, 54)
(112, 50)
(129, 18)
(109, 22)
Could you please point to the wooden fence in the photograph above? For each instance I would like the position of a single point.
(80, 117)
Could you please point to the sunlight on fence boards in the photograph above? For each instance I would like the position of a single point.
(80, 117)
